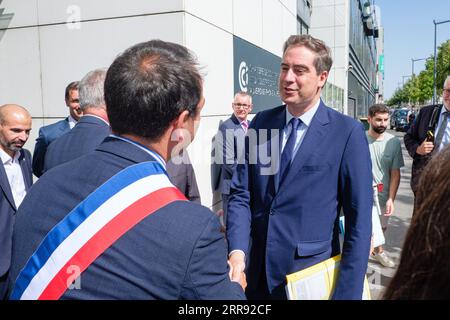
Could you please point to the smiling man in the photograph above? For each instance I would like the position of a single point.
(429, 134)
(15, 177)
(290, 217)
(51, 132)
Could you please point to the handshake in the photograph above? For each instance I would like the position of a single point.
(237, 267)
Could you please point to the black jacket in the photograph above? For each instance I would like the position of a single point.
(416, 134)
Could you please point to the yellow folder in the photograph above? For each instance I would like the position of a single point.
(317, 282)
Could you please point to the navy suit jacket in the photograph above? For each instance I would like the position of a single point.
(47, 135)
(295, 225)
(8, 209)
(229, 154)
(227, 149)
(85, 137)
(177, 252)
(182, 175)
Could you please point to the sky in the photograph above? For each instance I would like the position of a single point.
(409, 34)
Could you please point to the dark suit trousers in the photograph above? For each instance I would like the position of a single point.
(3, 286)
(260, 291)
(225, 207)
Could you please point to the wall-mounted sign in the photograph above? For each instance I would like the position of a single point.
(256, 71)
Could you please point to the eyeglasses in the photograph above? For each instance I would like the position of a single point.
(447, 91)
(243, 105)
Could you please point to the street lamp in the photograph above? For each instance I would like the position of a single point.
(412, 63)
(435, 56)
(404, 79)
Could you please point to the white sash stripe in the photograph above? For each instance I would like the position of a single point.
(85, 231)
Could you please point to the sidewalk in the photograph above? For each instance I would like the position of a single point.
(378, 275)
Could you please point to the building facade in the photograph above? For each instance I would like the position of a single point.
(46, 44)
(349, 27)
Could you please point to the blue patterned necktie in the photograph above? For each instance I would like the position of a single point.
(286, 155)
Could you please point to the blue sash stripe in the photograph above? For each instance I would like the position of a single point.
(80, 213)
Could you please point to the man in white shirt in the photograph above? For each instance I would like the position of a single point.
(15, 177)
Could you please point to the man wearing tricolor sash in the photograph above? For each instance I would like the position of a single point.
(110, 225)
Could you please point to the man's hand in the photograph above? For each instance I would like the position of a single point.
(389, 207)
(425, 148)
(237, 267)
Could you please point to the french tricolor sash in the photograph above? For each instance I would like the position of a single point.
(92, 227)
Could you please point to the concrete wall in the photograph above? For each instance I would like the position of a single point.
(50, 43)
(330, 23)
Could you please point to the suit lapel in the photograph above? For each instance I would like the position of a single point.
(4, 182)
(279, 122)
(26, 169)
(237, 124)
(65, 127)
(314, 136)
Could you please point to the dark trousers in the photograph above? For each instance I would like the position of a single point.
(225, 207)
(260, 290)
(3, 286)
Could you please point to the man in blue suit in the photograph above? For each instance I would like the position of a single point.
(90, 130)
(288, 208)
(15, 178)
(160, 246)
(228, 147)
(47, 134)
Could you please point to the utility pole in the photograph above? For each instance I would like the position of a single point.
(436, 23)
(412, 63)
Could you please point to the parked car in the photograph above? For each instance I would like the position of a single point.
(399, 120)
(392, 118)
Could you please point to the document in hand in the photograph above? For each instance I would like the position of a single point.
(317, 282)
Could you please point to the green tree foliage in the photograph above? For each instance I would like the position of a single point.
(419, 89)
(442, 66)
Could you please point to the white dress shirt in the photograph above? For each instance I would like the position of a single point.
(72, 122)
(446, 137)
(306, 119)
(15, 176)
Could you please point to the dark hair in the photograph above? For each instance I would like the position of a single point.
(424, 267)
(71, 86)
(149, 85)
(378, 108)
(323, 60)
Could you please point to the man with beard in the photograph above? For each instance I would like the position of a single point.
(387, 159)
(15, 177)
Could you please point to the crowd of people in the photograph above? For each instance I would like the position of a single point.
(116, 212)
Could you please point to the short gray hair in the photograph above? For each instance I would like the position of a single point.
(91, 90)
(243, 94)
(446, 80)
